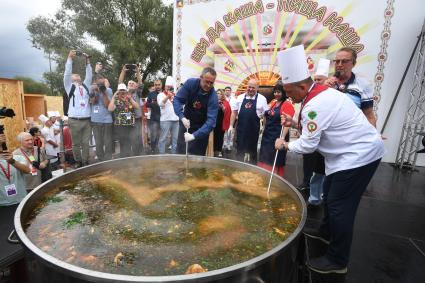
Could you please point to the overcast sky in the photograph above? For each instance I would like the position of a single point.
(17, 56)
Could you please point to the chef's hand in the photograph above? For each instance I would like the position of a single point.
(286, 120)
(331, 81)
(188, 137)
(186, 123)
(280, 144)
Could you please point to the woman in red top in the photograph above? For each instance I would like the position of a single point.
(222, 122)
(273, 129)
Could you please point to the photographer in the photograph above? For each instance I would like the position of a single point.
(123, 106)
(101, 118)
(12, 179)
(35, 160)
(79, 108)
(136, 91)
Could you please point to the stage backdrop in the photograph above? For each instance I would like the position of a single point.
(241, 38)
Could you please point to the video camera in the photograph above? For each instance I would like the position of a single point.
(5, 113)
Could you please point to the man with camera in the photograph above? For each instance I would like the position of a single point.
(136, 91)
(79, 108)
(155, 117)
(101, 118)
(36, 161)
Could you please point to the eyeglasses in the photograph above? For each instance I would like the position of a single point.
(342, 61)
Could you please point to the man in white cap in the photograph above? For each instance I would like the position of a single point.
(322, 71)
(331, 124)
(79, 108)
(169, 120)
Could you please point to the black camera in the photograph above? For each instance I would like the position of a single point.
(36, 164)
(131, 67)
(6, 112)
(102, 87)
(78, 53)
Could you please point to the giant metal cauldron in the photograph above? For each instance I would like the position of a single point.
(276, 265)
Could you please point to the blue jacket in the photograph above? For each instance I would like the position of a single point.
(202, 119)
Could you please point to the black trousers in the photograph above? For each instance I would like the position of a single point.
(342, 192)
(308, 163)
(195, 147)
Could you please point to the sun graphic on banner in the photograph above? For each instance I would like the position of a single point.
(249, 48)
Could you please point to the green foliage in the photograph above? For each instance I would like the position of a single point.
(33, 87)
(131, 31)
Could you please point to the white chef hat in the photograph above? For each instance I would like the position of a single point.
(43, 118)
(51, 114)
(169, 81)
(323, 67)
(293, 65)
(57, 114)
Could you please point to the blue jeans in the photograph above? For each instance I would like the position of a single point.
(316, 189)
(173, 128)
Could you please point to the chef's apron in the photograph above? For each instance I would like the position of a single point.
(196, 111)
(271, 133)
(248, 128)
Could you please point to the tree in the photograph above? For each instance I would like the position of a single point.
(32, 86)
(132, 31)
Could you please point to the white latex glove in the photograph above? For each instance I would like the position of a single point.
(188, 137)
(186, 122)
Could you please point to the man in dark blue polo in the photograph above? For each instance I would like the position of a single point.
(198, 117)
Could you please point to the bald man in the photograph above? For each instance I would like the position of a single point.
(35, 160)
(248, 109)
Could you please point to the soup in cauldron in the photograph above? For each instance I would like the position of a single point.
(161, 218)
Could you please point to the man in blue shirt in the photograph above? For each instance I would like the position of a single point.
(200, 102)
(101, 118)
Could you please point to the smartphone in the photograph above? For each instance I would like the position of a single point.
(131, 67)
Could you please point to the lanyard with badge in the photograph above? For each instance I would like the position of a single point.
(10, 189)
(82, 103)
(30, 160)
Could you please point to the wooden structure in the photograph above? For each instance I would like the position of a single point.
(12, 96)
(35, 105)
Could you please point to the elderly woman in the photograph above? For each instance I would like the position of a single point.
(123, 107)
(12, 181)
(273, 129)
(35, 160)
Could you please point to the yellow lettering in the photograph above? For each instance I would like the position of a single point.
(319, 14)
(214, 33)
(332, 21)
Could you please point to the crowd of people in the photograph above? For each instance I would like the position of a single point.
(337, 137)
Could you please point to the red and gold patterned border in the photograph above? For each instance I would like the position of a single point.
(383, 55)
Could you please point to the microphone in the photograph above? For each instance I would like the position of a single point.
(337, 74)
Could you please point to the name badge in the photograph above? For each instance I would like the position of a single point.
(128, 115)
(96, 109)
(33, 170)
(11, 190)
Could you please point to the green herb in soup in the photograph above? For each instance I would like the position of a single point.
(161, 219)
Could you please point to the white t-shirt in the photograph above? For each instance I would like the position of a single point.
(167, 109)
(49, 135)
(333, 125)
(262, 105)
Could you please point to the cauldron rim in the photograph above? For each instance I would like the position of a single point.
(97, 276)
